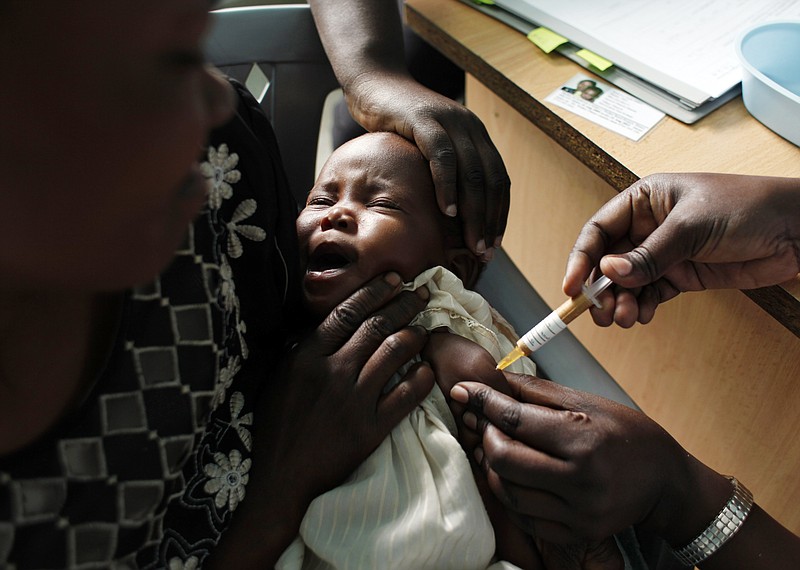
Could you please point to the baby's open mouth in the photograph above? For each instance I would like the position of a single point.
(327, 261)
(327, 257)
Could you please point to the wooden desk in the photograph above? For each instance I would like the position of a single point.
(717, 370)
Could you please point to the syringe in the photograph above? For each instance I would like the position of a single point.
(556, 321)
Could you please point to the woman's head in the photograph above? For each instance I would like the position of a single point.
(372, 210)
(104, 113)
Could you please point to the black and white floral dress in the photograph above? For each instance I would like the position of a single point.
(149, 469)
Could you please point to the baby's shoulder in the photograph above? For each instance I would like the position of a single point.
(456, 359)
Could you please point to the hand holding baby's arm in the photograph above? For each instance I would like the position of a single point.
(455, 359)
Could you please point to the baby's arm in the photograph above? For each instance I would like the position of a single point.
(455, 359)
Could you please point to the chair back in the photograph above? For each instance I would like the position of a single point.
(276, 52)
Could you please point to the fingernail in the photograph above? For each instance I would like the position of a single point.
(478, 453)
(470, 420)
(451, 210)
(622, 266)
(424, 293)
(480, 247)
(392, 278)
(459, 394)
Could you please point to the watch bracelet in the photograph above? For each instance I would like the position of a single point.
(726, 524)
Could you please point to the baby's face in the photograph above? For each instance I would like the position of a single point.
(372, 210)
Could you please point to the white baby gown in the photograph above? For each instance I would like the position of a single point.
(413, 504)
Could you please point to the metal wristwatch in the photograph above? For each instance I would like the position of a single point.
(726, 524)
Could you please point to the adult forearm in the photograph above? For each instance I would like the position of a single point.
(786, 207)
(360, 38)
(248, 547)
(266, 522)
(689, 505)
(761, 544)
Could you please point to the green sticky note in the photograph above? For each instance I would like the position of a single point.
(546, 40)
(484, 2)
(600, 63)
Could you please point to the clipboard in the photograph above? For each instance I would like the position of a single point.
(671, 104)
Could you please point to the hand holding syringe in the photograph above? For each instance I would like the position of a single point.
(556, 321)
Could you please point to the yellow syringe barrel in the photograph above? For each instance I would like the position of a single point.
(555, 322)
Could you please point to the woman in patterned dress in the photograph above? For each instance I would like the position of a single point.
(136, 356)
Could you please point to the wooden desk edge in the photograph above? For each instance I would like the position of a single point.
(776, 300)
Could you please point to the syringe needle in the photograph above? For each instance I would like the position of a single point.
(511, 358)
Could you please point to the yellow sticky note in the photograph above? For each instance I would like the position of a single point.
(600, 63)
(486, 2)
(546, 40)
